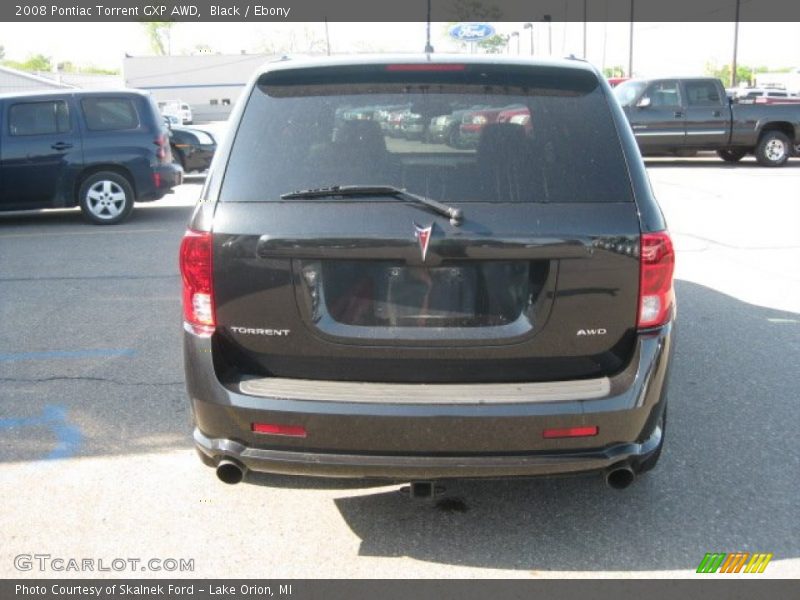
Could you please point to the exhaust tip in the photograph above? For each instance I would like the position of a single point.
(230, 472)
(620, 478)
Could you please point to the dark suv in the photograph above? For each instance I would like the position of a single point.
(98, 150)
(362, 306)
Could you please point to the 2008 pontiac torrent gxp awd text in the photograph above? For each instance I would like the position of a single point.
(358, 304)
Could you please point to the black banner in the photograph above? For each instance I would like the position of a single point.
(663, 589)
(407, 10)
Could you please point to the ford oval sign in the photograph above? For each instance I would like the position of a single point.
(471, 32)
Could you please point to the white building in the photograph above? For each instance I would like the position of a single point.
(209, 83)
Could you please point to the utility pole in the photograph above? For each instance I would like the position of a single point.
(549, 20)
(327, 37)
(630, 46)
(735, 45)
(585, 16)
(530, 26)
(428, 47)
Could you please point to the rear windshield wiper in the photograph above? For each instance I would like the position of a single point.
(456, 215)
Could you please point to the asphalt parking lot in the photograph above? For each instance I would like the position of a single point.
(96, 458)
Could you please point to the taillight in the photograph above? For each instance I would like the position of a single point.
(657, 265)
(163, 152)
(198, 283)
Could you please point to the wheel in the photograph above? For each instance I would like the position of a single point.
(454, 139)
(773, 149)
(106, 198)
(651, 461)
(731, 155)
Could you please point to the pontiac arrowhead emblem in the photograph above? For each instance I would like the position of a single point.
(423, 235)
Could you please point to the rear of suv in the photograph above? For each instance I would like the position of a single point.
(357, 305)
(101, 151)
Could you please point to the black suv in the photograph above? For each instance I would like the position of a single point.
(357, 305)
(98, 150)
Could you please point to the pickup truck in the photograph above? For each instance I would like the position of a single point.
(685, 115)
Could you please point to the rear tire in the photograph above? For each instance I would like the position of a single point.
(106, 198)
(773, 149)
(731, 155)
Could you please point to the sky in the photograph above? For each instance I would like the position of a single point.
(659, 48)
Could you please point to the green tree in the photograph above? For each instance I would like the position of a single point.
(34, 62)
(615, 71)
(494, 45)
(744, 74)
(159, 34)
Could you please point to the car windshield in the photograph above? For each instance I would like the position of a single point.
(628, 91)
(545, 141)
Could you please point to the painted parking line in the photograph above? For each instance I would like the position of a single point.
(59, 354)
(55, 417)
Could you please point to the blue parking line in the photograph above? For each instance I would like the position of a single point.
(69, 437)
(54, 354)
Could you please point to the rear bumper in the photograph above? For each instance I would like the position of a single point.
(397, 439)
(163, 179)
(326, 464)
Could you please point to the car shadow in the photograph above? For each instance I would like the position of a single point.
(726, 481)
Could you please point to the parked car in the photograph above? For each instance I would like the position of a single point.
(615, 81)
(101, 151)
(179, 109)
(520, 116)
(765, 96)
(473, 123)
(446, 128)
(692, 114)
(353, 311)
(192, 148)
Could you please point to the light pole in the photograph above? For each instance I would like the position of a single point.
(516, 35)
(549, 20)
(529, 26)
(630, 46)
(735, 46)
(585, 16)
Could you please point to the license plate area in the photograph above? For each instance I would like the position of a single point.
(389, 294)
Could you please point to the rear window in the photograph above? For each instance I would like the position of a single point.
(109, 114)
(38, 118)
(473, 133)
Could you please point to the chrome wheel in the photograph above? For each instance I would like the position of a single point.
(106, 199)
(775, 150)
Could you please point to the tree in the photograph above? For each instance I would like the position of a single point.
(2, 52)
(615, 71)
(495, 44)
(34, 62)
(744, 74)
(159, 34)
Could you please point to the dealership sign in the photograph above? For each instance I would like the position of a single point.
(471, 32)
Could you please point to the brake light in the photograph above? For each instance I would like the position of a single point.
(198, 284)
(163, 152)
(656, 269)
(426, 67)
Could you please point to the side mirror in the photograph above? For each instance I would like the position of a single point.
(643, 102)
